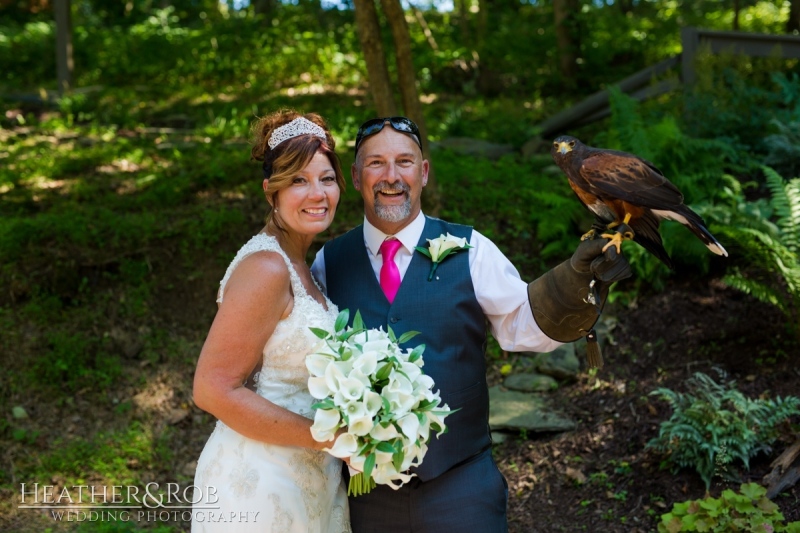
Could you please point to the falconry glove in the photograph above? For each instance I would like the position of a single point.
(566, 301)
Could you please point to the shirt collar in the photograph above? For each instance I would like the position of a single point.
(408, 236)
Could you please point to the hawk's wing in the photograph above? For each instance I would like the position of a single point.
(616, 175)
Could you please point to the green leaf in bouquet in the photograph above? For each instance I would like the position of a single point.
(427, 405)
(435, 427)
(397, 459)
(365, 448)
(346, 353)
(369, 464)
(347, 334)
(383, 373)
(390, 332)
(416, 353)
(341, 320)
(387, 407)
(321, 333)
(358, 322)
(407, 336)
(385, 447)
(327, 403)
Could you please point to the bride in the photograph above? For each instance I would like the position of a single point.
(261, 470)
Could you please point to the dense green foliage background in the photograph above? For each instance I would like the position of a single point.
(123, 201)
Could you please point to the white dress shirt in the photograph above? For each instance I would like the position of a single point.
(500, 291)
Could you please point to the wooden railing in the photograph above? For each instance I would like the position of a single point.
(640, 85)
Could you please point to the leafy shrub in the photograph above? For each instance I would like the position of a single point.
(783, 149)
(765, 255)
(712, 425)
(746, 510)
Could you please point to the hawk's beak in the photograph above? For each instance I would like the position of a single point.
(563, 148)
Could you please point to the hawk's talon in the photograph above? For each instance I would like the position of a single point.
(615, 240)
(589, 235)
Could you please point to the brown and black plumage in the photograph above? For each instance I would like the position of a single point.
(623, 189)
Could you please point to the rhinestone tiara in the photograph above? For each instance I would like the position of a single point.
(299, 126)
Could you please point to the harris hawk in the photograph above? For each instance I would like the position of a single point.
(627, 194)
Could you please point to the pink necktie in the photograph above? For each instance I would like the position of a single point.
(390, 275)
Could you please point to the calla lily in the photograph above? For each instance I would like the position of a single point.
(373, 402)
(399, 403)
(399, 383)
(353, 410)
(366, 363)
(316, 363)
(318, 387)
(351, 388)
(424, 431)
(326, 422)
(333, 376)
(385, 474)
(440, 245)
(424, 383)
(411, 370)
(384, 434)
(360, 376)
(345, 446)
(357, 462)
(409, 425)
(360, 426)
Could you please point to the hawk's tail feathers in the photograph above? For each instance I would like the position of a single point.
(695, 223)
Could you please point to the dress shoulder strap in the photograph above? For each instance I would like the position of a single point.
(260, 243)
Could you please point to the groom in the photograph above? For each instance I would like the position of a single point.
(374, 268)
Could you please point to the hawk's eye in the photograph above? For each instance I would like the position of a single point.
(571, 144)
(555, 144)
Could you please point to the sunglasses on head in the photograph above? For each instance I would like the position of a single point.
(401, 124)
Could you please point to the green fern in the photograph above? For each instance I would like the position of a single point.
(786, 201)
(713, 425)
(764, 253)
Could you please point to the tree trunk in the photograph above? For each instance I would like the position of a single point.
(564, 11)
(64, 61)
(463, 22)
(793, 24)
(736, 8)
(369, 33)
(263, 7)
(407, 79)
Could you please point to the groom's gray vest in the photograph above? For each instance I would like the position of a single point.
(451, 324)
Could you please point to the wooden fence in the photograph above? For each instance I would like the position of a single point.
(640, 85)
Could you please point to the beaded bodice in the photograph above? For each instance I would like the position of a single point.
(283, 378)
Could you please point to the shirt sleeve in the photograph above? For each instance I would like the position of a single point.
(503, 296)
(318, 270)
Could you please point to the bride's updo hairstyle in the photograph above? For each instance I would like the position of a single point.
(282, 163)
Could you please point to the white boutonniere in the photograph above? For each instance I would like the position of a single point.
(440, 248)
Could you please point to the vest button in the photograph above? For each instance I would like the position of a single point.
(394, 320)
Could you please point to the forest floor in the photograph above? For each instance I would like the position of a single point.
(600, 477)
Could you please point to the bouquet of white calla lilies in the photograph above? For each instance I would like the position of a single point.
(440, 248)
(378, 393)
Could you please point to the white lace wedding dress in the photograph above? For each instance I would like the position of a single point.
(263, 487)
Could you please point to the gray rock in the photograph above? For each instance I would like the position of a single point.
(561, 363)
(474, 147)
(498, 437)
(530, 382)
(520, 410)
